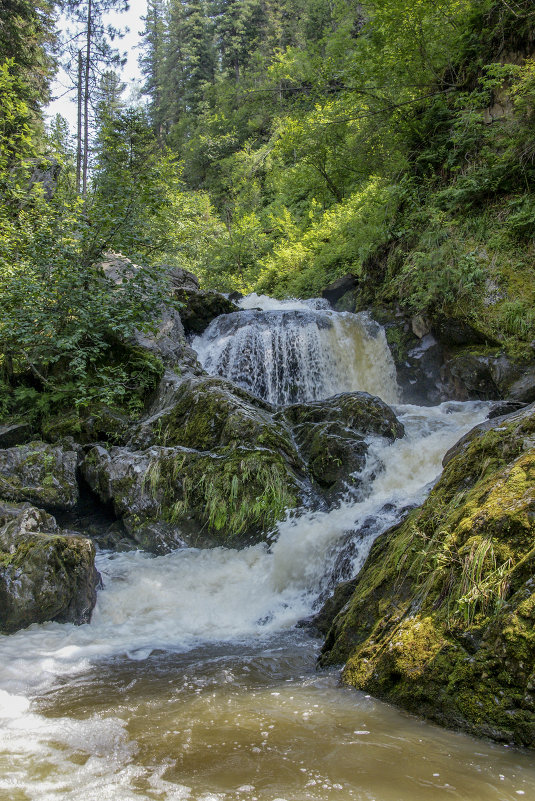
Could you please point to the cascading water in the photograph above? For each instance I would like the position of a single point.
(287, 351)
(192, 682)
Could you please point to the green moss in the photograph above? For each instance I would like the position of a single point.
(233, 493)
(212, 412)
(441, 619)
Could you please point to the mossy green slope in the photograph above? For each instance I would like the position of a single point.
(441, 621)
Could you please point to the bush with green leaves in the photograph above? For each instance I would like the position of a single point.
(61, 319)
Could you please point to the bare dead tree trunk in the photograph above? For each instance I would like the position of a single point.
(86, 97)
(79, 125)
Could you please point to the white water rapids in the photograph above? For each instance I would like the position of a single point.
(192, 682)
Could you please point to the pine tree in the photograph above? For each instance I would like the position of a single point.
(152, 61)
(26, 37)
(90, 52)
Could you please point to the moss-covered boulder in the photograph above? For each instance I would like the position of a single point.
(219, 466)
(210, 412)
(331, 436)
(45, 573)
(167, 496)
(441, 620)
(39, 473)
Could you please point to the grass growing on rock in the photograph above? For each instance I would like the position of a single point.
(232, 493)
(442, 618)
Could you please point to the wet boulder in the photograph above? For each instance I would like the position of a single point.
(331, 436)
(46, 573)
(40, 473)
(440, 619)
(169, 496)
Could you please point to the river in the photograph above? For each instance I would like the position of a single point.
(195, 682)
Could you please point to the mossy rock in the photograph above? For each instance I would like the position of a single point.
(45, 573)
(201, 307)
(362, 413)
(331, 434)
(441, 620)
(39, 473)
(167, 496)
(210, 413)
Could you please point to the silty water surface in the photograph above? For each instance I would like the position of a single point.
(193, 682)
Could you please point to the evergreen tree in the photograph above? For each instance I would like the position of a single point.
(26, 38)
(90, 51)
(152, 61)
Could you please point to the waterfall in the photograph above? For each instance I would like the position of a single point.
(192, 681)
(294, 351)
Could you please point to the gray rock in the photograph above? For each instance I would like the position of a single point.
(168, 340)
(339, 287)
(47, 174)
(14, 434)
(523, 389)
(46, 573)
(41, 473)
(420, 325)
(182, 279)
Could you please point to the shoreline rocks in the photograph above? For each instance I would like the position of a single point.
(440, 620)
(46, 573)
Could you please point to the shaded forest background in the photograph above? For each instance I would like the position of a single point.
(282, 144)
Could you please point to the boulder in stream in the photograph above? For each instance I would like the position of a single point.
(332, 437)
(46, 573)
(441, 618)
(219, 466)
(170, 496)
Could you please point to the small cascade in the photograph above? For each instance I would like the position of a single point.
(294, 351)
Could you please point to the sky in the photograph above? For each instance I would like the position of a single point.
(65, 102)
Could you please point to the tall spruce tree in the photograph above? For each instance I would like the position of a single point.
(152, 61)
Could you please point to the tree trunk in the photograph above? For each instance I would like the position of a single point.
(86, 96)
(79, 125)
